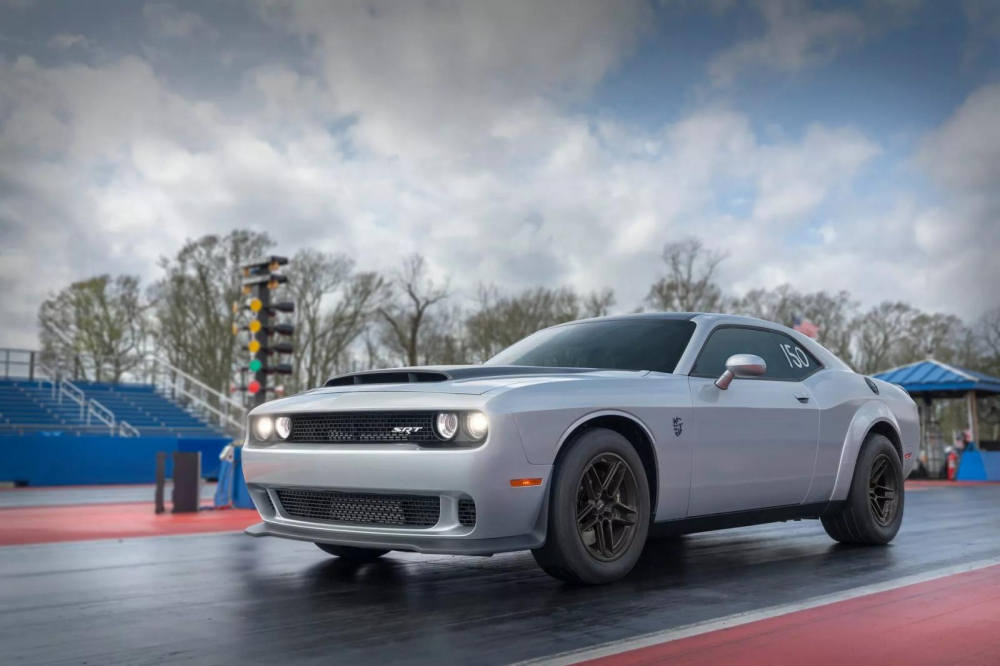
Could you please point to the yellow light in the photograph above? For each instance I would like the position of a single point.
(272, 285)
(256, 305)
(254, 346)
(254, 326)
(524, 483)
(236, 329)
(246, 272)
(273, 266)
(247, 289)
(236, 307)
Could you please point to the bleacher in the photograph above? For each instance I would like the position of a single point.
(28, 407)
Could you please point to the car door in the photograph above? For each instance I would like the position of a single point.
(756, 441)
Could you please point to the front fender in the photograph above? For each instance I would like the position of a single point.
(868, 415)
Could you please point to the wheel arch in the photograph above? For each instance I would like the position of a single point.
(889, 431)
(873, 416)
(629, 427)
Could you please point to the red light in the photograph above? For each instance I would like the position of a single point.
(253, 387)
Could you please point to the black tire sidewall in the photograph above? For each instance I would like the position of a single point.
(562, 526)
(871, 530)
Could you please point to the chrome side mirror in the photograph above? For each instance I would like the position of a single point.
(741, 365)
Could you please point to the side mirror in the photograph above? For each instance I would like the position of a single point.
(741, 365)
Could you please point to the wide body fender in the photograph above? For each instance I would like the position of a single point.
(548, 413)
(867, 416)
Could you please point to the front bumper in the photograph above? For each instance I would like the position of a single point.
(507, 518)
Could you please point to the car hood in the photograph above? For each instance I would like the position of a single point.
(461, 379)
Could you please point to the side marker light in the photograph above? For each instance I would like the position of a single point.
(524, 483)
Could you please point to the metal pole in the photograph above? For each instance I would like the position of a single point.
(31, 366)
(973, 418)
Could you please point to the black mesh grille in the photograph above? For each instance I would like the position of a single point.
(364, 427)
(361, 508)
(467, 512)
(267, 498)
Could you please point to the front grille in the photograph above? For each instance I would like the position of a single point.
(364, 427)
(361, 508)
(467, 512)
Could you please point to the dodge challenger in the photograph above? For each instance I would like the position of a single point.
(582, 440)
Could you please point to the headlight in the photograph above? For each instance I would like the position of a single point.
(262, 427)
(446, 425)
(283, 426)
(476, 425)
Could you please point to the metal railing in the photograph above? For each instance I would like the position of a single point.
(197, 397)
(212, 405)
(90, 408)
(14, 359)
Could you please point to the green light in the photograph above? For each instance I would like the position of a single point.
(255, 365)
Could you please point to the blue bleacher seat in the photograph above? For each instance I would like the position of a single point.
(27, 406)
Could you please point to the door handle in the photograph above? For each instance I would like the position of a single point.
(802, 397)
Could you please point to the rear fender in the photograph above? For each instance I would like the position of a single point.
(868, 415)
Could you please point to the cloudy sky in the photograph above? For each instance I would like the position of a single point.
(830, 145)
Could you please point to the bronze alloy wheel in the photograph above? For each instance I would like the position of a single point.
(883, 490)
(607, 507)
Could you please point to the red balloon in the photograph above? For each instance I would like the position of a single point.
(253, 387)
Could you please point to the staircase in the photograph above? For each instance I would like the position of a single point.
(149, 411)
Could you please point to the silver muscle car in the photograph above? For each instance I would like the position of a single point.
(583, 439)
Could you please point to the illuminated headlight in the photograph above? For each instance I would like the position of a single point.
(446, 425)
(476, 425)
(262, 427)
(283, 426)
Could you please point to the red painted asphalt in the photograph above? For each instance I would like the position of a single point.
(48, 524)
(952, 620)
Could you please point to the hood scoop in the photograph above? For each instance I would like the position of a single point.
(388, 377)
(444, 373)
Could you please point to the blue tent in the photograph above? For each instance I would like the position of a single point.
(932, 376)
(929, 380)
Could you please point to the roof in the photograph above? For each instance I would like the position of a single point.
(933, 376)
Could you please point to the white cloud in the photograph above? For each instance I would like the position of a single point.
(67, 41)
(796, 36)
(171, 22)
(456, 136)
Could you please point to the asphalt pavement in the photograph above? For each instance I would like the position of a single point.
(228, 598)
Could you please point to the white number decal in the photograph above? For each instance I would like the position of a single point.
(796, 357)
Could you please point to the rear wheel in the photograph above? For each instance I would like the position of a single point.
(874, 508)
(598, 511)
(351, 553)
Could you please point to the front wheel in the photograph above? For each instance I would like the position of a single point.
(874, 508)
(351, 553)
(598, 511)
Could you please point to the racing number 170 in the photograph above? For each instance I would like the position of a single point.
(796, 357)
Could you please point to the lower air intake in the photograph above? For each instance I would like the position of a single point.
(467, 512)
(361, 508)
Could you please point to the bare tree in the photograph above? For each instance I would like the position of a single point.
(101, 319)
(599, 303)
(987, 339)
(194, 315)
(689, 283)
(878, 331)
(404, 316)
(502, 319)
(333, 304)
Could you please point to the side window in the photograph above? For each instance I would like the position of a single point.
(796, 363)
(724, 342)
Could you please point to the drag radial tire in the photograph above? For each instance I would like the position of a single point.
(873, 511)
(351, 553)
(598, 510)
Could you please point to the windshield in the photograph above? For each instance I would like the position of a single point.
(623, 344)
